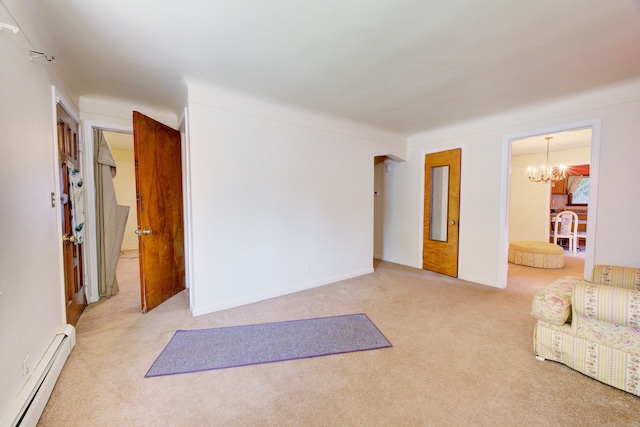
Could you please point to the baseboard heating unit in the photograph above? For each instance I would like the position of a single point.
(33, 398)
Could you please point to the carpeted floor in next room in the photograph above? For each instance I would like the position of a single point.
(461, 356)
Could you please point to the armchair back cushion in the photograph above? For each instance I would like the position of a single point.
(617, 276)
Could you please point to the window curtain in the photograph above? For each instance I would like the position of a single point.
(111, 218)
(573, 182)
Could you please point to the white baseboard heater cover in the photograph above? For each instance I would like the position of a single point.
(35, 394)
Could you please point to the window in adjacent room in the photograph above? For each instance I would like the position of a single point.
(580, 196)
(578, 185)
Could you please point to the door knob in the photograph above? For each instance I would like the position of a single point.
(69, 238)
(452, 222)
(144, 232)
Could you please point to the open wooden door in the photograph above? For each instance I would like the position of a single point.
(441, 212)
(69, 158)
(158, 171)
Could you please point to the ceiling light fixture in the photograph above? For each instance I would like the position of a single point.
(547, 172)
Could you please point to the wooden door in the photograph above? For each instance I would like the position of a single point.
(69, 162)
(158, 171)
(441, 212)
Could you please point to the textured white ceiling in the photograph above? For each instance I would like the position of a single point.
(405, 65)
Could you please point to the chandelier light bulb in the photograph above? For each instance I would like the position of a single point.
(548, 172)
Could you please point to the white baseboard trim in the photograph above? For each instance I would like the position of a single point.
(33, 398)
(278, 293)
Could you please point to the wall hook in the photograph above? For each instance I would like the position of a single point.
(9, 27)
(37, 54)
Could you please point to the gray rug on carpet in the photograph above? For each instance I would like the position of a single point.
(219, 348)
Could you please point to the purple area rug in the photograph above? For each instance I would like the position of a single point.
(219, 348)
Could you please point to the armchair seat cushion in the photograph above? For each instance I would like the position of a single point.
(615, 336)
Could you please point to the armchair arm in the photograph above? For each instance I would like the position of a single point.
(552, 304)
(619, 277)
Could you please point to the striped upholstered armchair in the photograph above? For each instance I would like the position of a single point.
(592, 327)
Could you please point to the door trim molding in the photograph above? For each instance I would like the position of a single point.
(595, 125)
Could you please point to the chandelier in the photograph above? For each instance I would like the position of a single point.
(547, 172)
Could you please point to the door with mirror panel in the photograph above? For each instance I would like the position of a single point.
(441, 212)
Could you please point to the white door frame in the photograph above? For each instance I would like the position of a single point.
(594, 124)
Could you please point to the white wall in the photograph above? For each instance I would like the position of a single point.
(529, 201)
(282, 199)
(125, 188)
(31, 294)
(482, 141)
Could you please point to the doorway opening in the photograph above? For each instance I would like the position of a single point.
(124, 185)
(381, 166)
(153, 184)
(124, 182)
(530, 207)
(383, 173)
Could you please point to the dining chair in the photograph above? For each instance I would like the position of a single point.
(566, 227)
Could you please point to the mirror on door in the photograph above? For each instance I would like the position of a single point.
(439, 203)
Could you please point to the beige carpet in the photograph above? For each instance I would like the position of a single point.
(462, 355)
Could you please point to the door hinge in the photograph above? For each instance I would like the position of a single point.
(53, 200)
